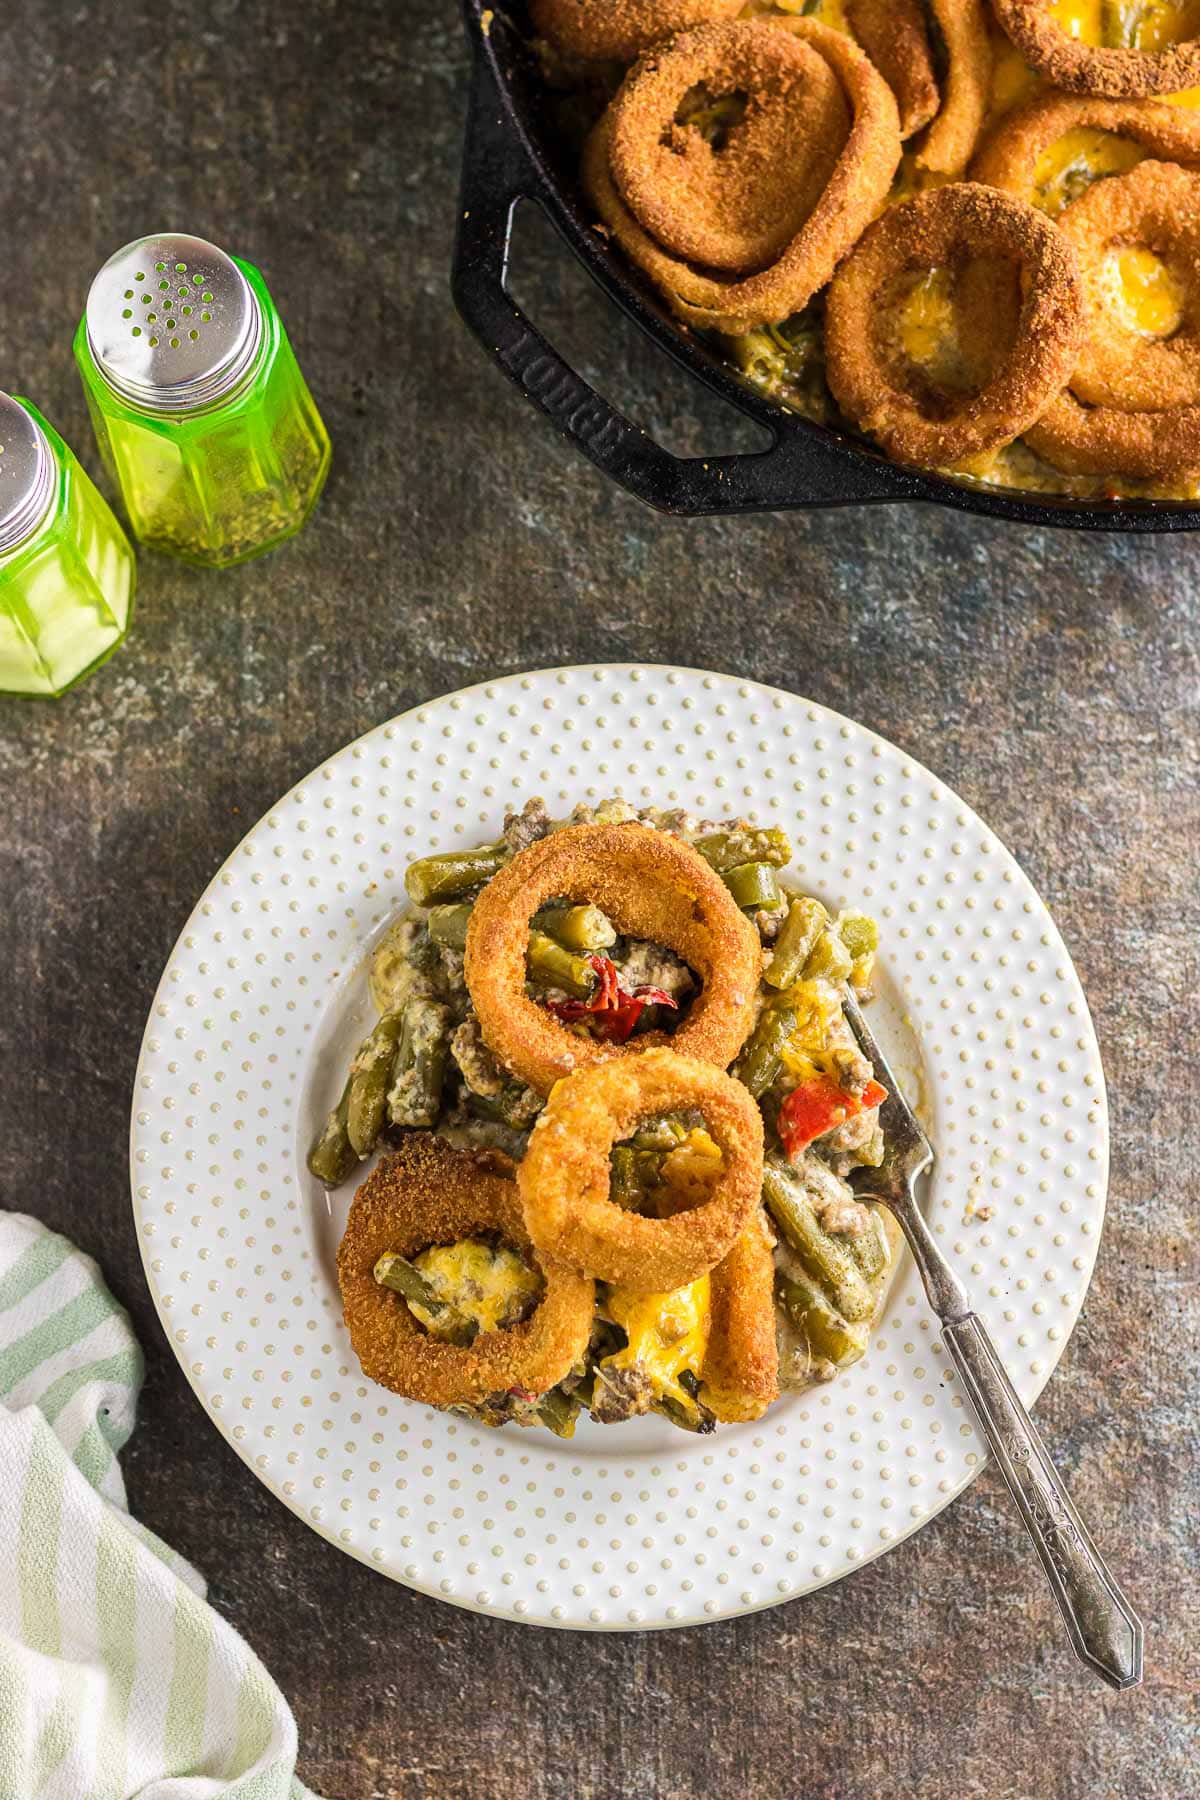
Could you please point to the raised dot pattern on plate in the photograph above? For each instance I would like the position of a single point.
(637, 1526)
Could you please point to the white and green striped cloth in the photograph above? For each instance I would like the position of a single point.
(116, 1678)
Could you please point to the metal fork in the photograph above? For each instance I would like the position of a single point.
(1105, 1631)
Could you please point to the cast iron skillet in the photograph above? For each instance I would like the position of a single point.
(508, 158)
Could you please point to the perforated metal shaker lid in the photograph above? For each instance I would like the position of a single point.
(172, 323)
(26, 474)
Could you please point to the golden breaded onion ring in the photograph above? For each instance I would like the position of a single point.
(564, 1179)
(651, 886)
(619, 30)
(1009, 159)
(893, 34)
(738, 208)
(949, 144)
(429, 1193)
(1132, 406)
(740, 1373)
(851, 175)
(951, 227)
(1080, 68)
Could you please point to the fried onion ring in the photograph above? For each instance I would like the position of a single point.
(736, 208)
(843, 189)
(1132, 406)
(950, 142)
(1114, 74)
(429, 1193)
(651, 886)
(564, 1179)
(893, 34)
(950, 227)
(1010, 158)
(740, 1374)
(619, 30)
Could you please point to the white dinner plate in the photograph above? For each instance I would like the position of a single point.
(636, 1525)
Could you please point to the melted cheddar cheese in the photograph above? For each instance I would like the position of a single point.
(1083, 19)
(689, 1172)
(929, 327)
(1012, 78)
(806, 1053)
(490, 1284)
(1127, 24)
(667, 1336)
(1142, 292)
(1079, 157)
(826, 12)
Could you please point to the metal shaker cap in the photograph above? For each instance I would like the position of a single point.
(27, 475)
(173, 324)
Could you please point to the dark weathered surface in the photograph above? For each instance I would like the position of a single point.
(1052, 680)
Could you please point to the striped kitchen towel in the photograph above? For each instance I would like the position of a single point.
(116, 1678)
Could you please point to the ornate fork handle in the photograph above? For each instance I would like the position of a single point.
(1105, 1630)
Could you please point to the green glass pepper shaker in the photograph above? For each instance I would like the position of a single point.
(202, 415)
(67, 570)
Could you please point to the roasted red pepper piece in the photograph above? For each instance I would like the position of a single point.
(612, 1011)
(820, 1105)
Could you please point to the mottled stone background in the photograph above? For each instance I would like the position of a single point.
(1051, 679)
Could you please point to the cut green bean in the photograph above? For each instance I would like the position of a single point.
(725, 849)
(829, 959)
(761, 1060)
(871, 1249)
(662, 1133)
(633, 1176)
(798, 934)
(826, 1333)
(828, 1258)
(454, 874)
(551, 966)
(758, 355)
(419, 1071)
(448, 925)
(576, 927)
(332, 1157)
(370, 1077)
(859, 933)
(623, 1186)
(402, 1277)
(701, 1420)
(753, 885)
(558, 1411)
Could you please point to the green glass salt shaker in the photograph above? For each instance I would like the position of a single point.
(203, 418)
(67, 570)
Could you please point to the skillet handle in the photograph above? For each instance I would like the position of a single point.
(798, 469)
